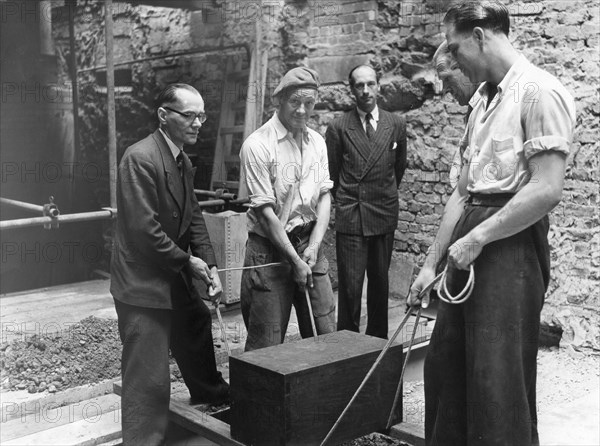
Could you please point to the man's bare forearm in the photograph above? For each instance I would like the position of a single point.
(323, 213)
(452, 212)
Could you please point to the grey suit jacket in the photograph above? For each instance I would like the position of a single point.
(366, 173)
(158, 221)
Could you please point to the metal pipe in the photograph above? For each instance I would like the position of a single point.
(110, 93)
(72, 5)
(210, 193)
(23, 205)
(209, 203)
(164, 56)
(106, 214)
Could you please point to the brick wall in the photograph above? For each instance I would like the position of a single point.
(399, 38)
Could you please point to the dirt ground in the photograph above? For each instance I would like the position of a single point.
(564, 376)
(90, 352)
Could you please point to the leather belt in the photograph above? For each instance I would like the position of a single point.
(300, 234)
(489, 200)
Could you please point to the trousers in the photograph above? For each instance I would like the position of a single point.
(268, 294)
(480, 368)
(147, 334)
(355, 255)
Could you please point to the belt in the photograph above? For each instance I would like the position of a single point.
(300, 234)
(489, 200)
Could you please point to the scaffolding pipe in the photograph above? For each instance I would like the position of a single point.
(209, 203)
(23, 205)
(110, 93)
(204, 50)
(214, 194)
(72, 4)
(107, 214)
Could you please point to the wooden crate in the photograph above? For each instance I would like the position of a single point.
(228, 235)
(292, 394)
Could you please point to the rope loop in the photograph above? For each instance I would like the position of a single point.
(461, 297)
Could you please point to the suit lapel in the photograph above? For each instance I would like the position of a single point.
(188, 184)
(174, 183)
(358, 137)
(379, 142)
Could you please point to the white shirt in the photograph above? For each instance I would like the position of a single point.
(363, 118)
(172, 147)
(276, 172)
(532, 112)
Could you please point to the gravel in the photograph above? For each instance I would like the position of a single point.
(88, 353)
(91, 352)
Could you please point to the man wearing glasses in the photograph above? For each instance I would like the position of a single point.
(161, 243)
(284, 173)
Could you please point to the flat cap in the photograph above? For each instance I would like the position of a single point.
(299, 77)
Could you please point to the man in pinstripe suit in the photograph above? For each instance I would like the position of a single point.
(367, 157)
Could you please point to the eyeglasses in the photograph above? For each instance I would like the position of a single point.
(189, 116)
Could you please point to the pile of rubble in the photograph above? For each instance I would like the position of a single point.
(89, 352)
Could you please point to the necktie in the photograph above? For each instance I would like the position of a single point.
(370, 129)
(179, 160)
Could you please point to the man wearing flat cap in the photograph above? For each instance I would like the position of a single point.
(284, 173)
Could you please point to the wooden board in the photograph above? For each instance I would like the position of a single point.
(409, 432)
(51, 416)
(63, 306)
(292, 394)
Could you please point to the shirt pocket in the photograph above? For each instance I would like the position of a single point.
(503, 160)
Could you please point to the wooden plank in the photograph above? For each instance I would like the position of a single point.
(409, 432)
(94, 430)
(13, 407)
(63, 305)
(50, 416)
(201, 423)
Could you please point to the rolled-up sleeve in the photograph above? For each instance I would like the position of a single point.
(326, 182)
(255, 166)
(550, 122)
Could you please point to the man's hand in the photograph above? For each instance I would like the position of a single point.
(424, 278)
(216, 288)
(200, 270)
(464, 251)
(302, 274)
(310, 254)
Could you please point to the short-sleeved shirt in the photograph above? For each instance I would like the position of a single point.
(531, 112)
(275, 171)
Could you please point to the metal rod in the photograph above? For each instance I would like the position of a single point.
(23, 205)
(164, 56)
(110, 102)
(212, 193)
(72, 5)
(310, 312)
(107, 214)
(366, 378)
(399, 388)
(239, 268)
(209, 203)
(223, 333)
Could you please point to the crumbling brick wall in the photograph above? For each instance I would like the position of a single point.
(399, 38)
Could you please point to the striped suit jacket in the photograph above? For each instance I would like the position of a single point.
(366, 173)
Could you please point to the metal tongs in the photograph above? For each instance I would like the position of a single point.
(380, 357)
